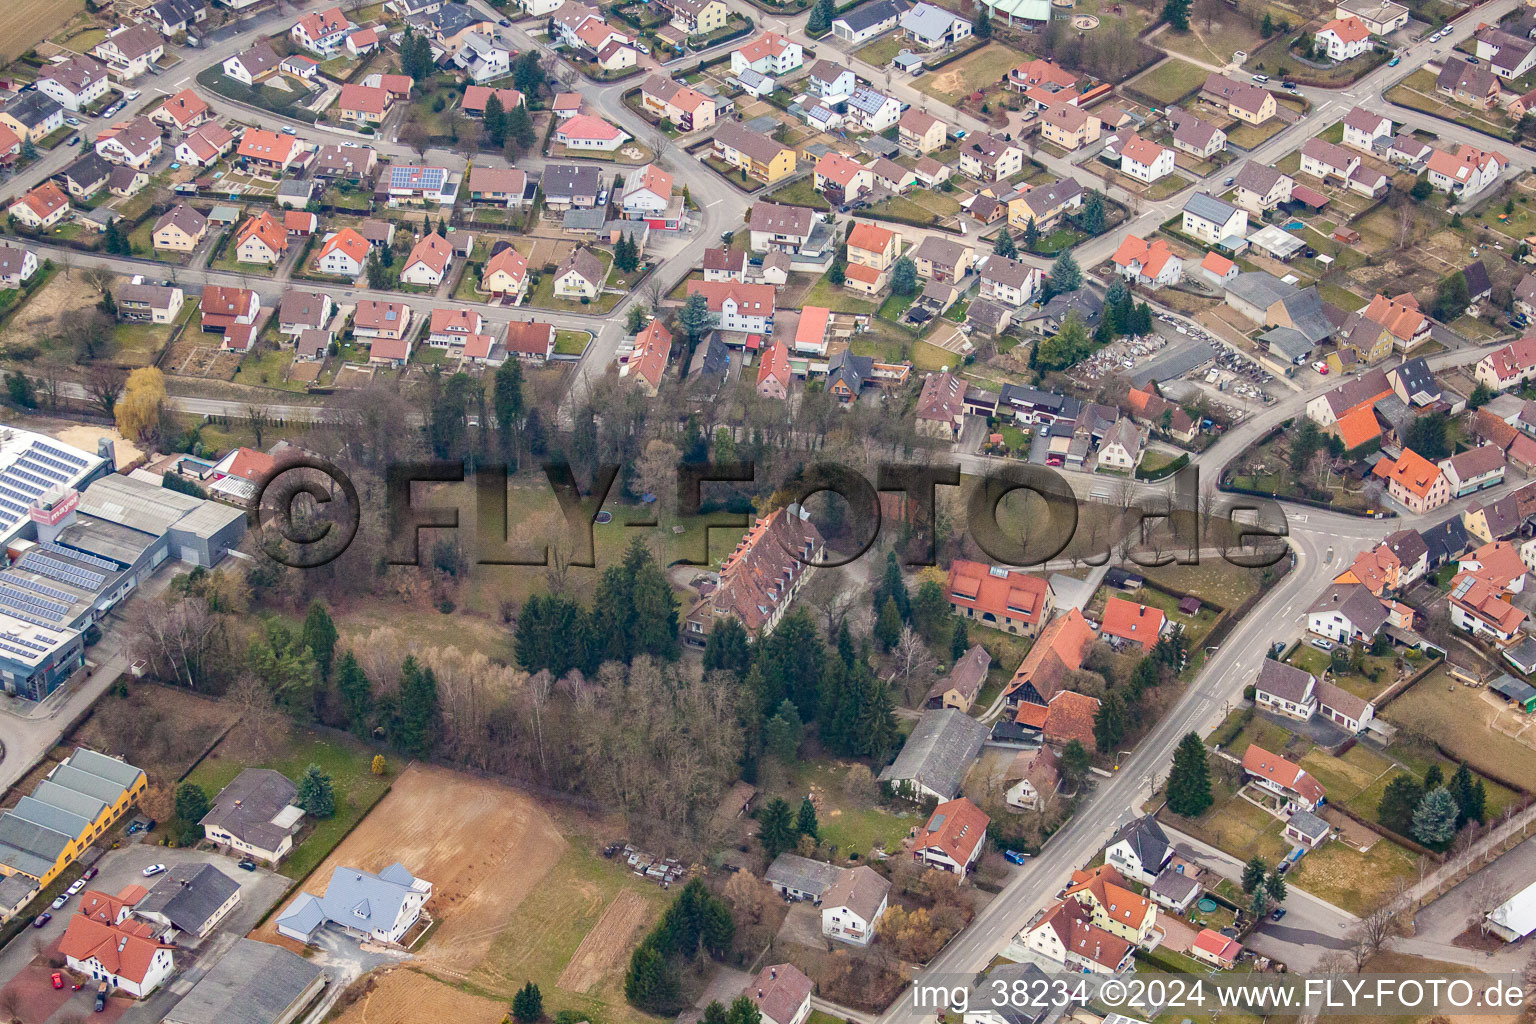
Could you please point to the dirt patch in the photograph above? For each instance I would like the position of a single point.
(404, 996)
(34, 322)
(159, 728)
(608, 944)
(85, 439)
(949, 82)
(482, 846)
(23, 24)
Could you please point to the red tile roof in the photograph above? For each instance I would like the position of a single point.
(999, 592)
(956, 829)
(1283, 773)
(1069, 717)
(1129, 620)
(127, 951)
(1058, 650)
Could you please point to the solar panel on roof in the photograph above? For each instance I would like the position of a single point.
(14, 495)
(62, 571)
(81, 556)
(46, 471)
(43, 588)
(30, 478)
(15, 650)
(45, 460)
(26, 600)
(71, 459)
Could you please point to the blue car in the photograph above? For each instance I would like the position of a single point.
(1013, 856)
(1394, 62)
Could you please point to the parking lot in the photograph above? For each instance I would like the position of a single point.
(24, 961)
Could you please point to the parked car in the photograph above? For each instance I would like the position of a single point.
(57, 979)
(1394, 62)
(1291, 86)
(60, 900)
(41, 919)
(1261, 79)
(76, 886)
(246, 865)
(88, 874)
(73, 122)
(1014, 857)
(1321, 367)
(101, 997)
(1229, 181)
(642, 47)
(1277, 914)
(1473, 60)
(154, 869)
(288, 129)
(505, 23)
(1320, 643)
(74, 140)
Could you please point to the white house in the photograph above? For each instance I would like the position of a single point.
(1344, 38)
(123, 958)
(321, 32)
(739, 307)
(74, 84)
(647, 193)
(1140, 850)
(428, 261)
(1465, 172)
(1145, 160)
(769, 54)
(483, 57)
(1346, 612)
(343, 253)
(953, 837)
(130, 51)
(852, 906)
(1210, 219)
(867, 21)
(16, 266)
(1285, 690)
(1150, 264)
(933, 28)
(1363, 127)
(380, 907)
(874, 110)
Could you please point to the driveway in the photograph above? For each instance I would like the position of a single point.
(802, 925)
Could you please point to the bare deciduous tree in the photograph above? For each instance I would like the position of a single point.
(265, 724)
(100, 278)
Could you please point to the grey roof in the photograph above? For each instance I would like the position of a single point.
(1305, 309)
(185, 217)
(84, 782)
(58, 819)
(939, 751)
(1173, 361)
(1288, 342)
(1509, 687)
(157, 296)
(927, 21)
(136, 504)
(1146, 839)
(247, 806)
(1284, 681)
(1043, 198)
(968, 675)
(14, 889)
(72, 800)
(565, 180)
(120, 772)
(871, 14)
(988, 314)
(584, 220)
(30, 847)
(1259, 288)
(301, 306)
(1084, 302)
(866, 100)
(946, 252)
(33, 108)
(1209, 208)
(254, 983)
(1257, 177)
(1477, 279)
(1054, 402)
(1446, 541)
(1192, 131)
(1010, 273)
(781, 219)
(860, 889)
(188, 895)
(1027, 977)
(1174, 886)
(89, 169)
(1308, 824)
(1354, 602)
(801, 873)
(742, 139)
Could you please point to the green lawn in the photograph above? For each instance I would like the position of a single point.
(800, 193)
(839, 300)
(348, 763)
(1170, 81)
(571, 343)
(882, 51)
(268, 369)
(976, 71)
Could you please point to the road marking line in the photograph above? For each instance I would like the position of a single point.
(710, 206)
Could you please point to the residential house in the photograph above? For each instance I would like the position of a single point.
(1284, 689)
(1242, 100)
(1139, 850)
(267, 153)
(1045, 83)
(362, 105)
(378, 320)
(934, 760)
(1322, 159)
(953, 837)
(43, 207)
(586, 134)
(1132, 621)
(1480, 608)
(1508, 367)
(942, 259)
(1468, 83)
(739, 307)
(842, 180)
(1011, 601)
(205, 145)
(1414, 382)
(125, 956)
(685, 108)
(1114, 907)
(1031, 778)
(759, 156)
(1145, 160)
(1283, 778)
(222, 308)
(920, 132)
(261, 239)
(32, 115)
(1213, 220)
(647, 362)
(1382, 17)
(1044, 204)
(867, 21)
(183, 111)
(769, 54)
(1415, 482)
(1509, 56)
(1200, 139)
(86, 176)
(721, 264)
(477, 96)
(870, 245)
(252, 66)
(958, 688)
(1346, 612)
(933, 28)
(176, 17)
(1069, 126)
(506, 187)
(581, 276)
(1261, 188)
(1065, 934)
(760, 578)
(1220, 271)
(852, 906)
(17, 265)
(148, 303)
(1365, 390)
(1150, 264)
(1344, 38)
(188, 901)
(1473, 470)
(526, 340)
(697, 17)
(302, 310)
(1401, 316)
(428, 261)
(505, 275)
(75, 83)
(1363, 127)
(321, 32)
(782, 994)
(484, 59)
(779, 228)
(133, 144)
(873, 110)
(1155, 411)
(571, 186)
(449, 328)
(830, 82)
(1212, 947)
(811, 333)
(402, 185)
(1467, 171)
(343, 253)
(130, 51)
(1058, 651)
(379, 907)
(987, 157)
(773, 372)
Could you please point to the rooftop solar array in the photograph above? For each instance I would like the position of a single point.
(37, 468)
(82, 556)
(44, 607)
(417, 177)
(53, 568)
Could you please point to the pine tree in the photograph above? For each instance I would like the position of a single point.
(1075, 762)
(888, 625)
(495, 121)
(520, 132)
(510, 406)
(527, 1004)
(1189, 781)
(1066, 276)
(650, 983)
(320, 637)
(1434, 821)
(316, 794)
(782, 732)
(191, 807)
(1092, 218)
(1461, 792)
(1253, 874)
(877, 720)
(1031, 235)
(1004, 245)
(893, 585)
(821, 17)
(1434, 776)
(1176, 14)
(1274, 887)
(716, 927)
(1109, 723)
(776, 827)
(805, 821)
(356, 694)
(420, 721)
(744, 1011)
(960, 641)
(694, 318)
(1478, 809)
(903, 276)
(728, 647)
(930, 609)
(714, 1013)
(983, 27)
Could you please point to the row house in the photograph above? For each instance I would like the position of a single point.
(761, 157)
(744, 308)
(760, 578)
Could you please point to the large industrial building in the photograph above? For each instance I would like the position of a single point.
(68, 811)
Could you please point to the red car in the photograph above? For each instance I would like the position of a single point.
(58, 980)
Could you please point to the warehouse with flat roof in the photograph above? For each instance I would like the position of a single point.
(254, 983)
